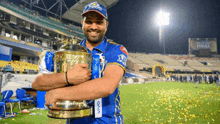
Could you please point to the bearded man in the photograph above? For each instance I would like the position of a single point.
(94, 26)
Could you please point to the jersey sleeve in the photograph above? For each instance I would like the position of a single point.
(118, 56)
(46, 63)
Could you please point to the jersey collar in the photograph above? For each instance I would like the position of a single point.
(101, 47)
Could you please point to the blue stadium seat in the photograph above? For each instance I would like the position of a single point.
(7, 94)
(20, 94)
(2, 105)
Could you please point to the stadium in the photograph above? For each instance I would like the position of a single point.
(26, 33)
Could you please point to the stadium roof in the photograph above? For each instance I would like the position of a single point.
(66, 9)
(74, 13)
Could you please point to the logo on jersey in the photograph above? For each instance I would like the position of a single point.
(123, 49)
(96, 64)
(122, 59)
(98, 108)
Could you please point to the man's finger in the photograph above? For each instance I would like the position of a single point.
(89, 71)
(84, 65)
(90, 74)
(47, 104)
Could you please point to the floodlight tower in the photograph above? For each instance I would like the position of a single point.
(163, 19)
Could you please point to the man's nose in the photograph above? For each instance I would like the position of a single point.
(94, 26)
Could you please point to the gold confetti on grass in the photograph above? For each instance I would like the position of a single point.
(180, 104)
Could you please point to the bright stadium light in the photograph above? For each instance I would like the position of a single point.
(162, 19)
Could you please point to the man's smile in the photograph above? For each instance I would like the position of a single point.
(93, 33)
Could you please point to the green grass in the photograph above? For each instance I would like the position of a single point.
(170, 102)
(25, 118)
(158, 102)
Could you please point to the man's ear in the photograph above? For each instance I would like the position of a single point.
(106, 25)
(82, 23)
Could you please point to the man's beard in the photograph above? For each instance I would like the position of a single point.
(96, 40)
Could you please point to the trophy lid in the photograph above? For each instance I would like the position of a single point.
(73, 46)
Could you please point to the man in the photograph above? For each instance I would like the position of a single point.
(177, 78)
(8, 68)
(200, 79)
(188, 78)
(191, 79)
(210, 79)
(217, 80)
(196, 79)
(185, 79)
(181, 79)
(94, 26)
(206, 80)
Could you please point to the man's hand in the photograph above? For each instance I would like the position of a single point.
(79, 74)
(92, 89)
(51, 97)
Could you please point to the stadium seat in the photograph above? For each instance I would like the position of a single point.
(2, 104)
(20, 94)
(6, 98)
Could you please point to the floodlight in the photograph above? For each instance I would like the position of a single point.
(163, 18)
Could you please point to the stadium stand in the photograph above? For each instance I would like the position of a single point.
(20, 67)
(51, 23)
(28, 33)
(177, 64)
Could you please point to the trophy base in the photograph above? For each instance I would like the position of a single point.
(69, 114)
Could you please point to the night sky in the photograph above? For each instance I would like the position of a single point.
(132, 23)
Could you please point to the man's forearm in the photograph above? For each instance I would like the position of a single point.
(45, 82)
(89, 90)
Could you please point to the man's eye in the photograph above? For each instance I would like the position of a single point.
(89, 22)
(99, 22)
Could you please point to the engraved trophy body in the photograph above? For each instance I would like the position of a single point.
(68, 56)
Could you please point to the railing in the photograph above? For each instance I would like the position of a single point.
(19, 41)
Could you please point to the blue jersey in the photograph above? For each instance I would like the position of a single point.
(111, 111)
(8, 68)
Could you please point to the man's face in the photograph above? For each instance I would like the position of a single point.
(94, 27)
